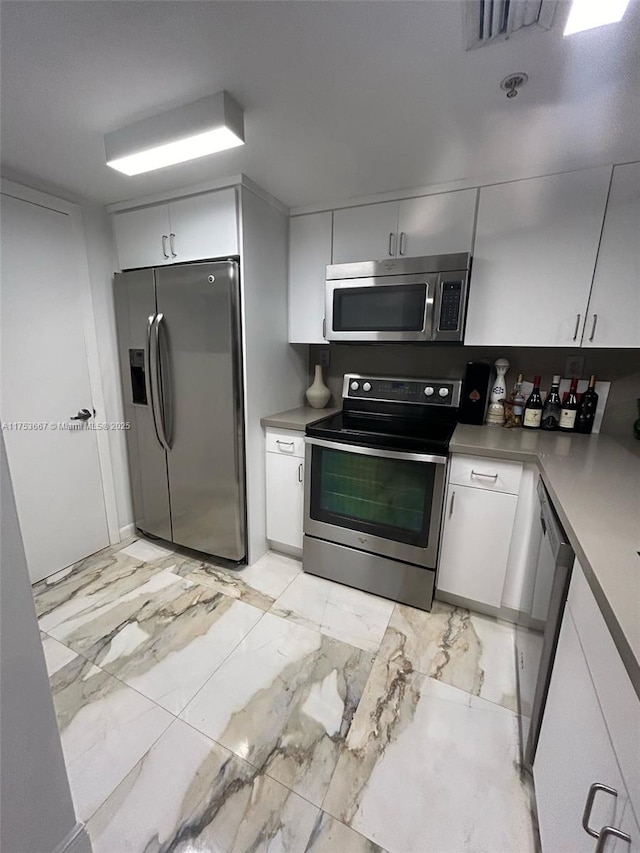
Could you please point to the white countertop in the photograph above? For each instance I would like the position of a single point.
(594, 483)
(297, 419)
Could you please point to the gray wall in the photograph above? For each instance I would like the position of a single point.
(35, 800)
(620, 366)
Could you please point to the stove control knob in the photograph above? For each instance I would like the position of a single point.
(354, 386)
(366, 386)
(428, 391)
(444, 392)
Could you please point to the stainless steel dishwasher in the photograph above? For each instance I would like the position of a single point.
(535, 652)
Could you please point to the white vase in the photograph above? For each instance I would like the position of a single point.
(317, 393)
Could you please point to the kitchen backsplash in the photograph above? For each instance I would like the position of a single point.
(620, 366)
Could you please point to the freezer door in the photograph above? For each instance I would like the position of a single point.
(200, 359)
(135, 303)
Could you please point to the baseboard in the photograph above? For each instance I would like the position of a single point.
(504, 614)
(77, 841)
(127, 531)
(281, 548)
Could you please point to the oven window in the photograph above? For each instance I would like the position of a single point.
(388, 308)
(377, 495)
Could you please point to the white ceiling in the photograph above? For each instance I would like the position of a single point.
(341, 99)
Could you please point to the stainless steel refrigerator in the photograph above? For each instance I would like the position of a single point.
(181, 362)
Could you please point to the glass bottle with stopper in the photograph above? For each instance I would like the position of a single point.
(495, 412)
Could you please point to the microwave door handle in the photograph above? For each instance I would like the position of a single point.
(428, 313)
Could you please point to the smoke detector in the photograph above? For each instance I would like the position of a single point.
(513, 82)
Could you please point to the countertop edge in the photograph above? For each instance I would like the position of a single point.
(297, 419)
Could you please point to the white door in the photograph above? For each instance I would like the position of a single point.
(142, 237)
(45, 379)
(475, 543)
(574, 752)
(285, 478)
(533, 259)
(437, 224)
(309, 255)
(613, 319)
(203, 226)
(367, 233)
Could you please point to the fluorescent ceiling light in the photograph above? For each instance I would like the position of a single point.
(195, 130)
(589, 14)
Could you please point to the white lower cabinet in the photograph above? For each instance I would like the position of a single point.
(588, 738)
(285, 489)
(475, 543)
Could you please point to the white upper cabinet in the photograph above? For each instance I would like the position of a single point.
(204, 226)
(188, 229)
(613, 318)
(534, 258)
(142, 237)
(429, 225)
(309, 254)
(437, 224)
(367, 233)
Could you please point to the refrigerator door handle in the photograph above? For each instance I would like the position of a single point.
(158, 397)
(152, 362)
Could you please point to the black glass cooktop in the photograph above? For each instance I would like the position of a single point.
(393, 432)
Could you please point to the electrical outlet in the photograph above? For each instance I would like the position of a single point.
(324, 357)
(574, 367)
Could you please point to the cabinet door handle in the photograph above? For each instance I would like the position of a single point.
(593, 328)
(586, 814)
(575, 331)
(480, 474)
(391, 243)
(605, 832)
(453, 498)
(300, 472)
(164, 246)
(402, 238)
(171, 246)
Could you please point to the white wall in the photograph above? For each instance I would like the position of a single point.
(101, 253)
(35, 799)
(275, 371)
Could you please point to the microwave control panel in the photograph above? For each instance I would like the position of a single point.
(450, 305)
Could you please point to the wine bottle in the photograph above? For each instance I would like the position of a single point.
(587, 408)
(516, 398)
(569, 409)
(533, 407)
(552, 407)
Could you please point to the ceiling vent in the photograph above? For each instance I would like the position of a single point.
(490, 21)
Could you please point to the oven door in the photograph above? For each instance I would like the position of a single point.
(384, 308)
(386, 502)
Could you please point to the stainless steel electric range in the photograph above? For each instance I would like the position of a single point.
(375, 483)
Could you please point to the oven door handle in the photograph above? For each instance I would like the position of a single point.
(375, 451)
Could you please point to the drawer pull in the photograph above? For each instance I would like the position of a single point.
(300, 472)
(287, 443)
(586, 814)
(480, 474)
(605, 832)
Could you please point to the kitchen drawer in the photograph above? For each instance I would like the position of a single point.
(482, 473)
(286, 442)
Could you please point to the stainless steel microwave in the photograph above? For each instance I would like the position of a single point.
(404, 300)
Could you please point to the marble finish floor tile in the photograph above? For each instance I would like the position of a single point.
(467, 650)
(105, 728)
(55, 654)
(258, 585)
(429, 767)
(165, 638)
(331, 836)
(338, 611)
(91, 582)
(147, 552)
(189, 794)
(284, 700)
